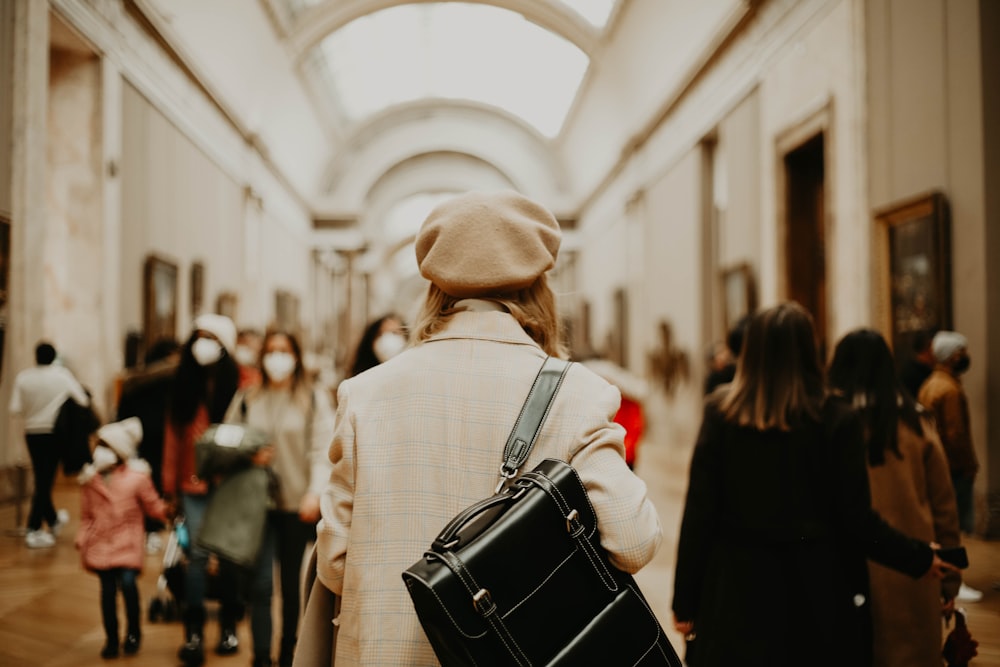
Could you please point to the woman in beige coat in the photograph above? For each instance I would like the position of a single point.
(911, 489)
(420, 437)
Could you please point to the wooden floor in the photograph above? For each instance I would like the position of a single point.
(49, 613)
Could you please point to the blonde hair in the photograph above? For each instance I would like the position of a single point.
(779, 382)
(534, 308)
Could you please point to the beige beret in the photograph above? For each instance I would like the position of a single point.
(481, 244)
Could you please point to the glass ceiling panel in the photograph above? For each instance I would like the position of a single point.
(596, 12)
(456, 51)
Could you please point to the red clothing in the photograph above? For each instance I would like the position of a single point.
(630, 417)
(178, 456)
(112, 532)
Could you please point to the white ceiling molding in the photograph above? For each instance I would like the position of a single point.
(315, 24)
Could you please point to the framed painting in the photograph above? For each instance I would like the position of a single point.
(197, 288)
(739, 293)
(286, 310)
(917, 259)
(159, 300)
(226, 304)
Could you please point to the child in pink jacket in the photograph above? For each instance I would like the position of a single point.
(117, 493)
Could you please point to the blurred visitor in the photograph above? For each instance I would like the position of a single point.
(38, 396)
(382, 339)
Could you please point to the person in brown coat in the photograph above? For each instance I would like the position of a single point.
(910, 488)
(942, 394)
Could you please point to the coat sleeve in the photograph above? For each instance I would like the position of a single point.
(627, 520)
(152, 505)
(861, 524)
(941, 496)
(337, 500)
(76, 390)
(701, 518)
(322, 436)
(86, 513)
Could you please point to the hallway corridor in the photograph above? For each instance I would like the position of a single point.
(49, 611)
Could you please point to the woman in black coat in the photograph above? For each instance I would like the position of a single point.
(771, 566)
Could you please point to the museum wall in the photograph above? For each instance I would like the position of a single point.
(926, 133)
(6, 83)
(706, 181)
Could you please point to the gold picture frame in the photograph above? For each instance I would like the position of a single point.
(916, 258)
(159, 300)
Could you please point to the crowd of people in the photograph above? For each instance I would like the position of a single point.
(818, 500)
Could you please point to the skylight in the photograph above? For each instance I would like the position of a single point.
(455, 51)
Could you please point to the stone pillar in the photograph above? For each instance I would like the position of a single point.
(26, 306)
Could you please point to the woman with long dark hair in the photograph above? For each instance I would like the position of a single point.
(383, 338)
(204, 385)
(778, 521)
(911, 488)
(299, 418)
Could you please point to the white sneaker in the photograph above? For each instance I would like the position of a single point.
(62, 518)
(969, 594)
(39, 539)
(153, 543)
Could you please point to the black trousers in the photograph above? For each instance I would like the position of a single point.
(110, 582)
(292, 537)
(44, 451)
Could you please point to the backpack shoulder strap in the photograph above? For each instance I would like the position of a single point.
(533, 413)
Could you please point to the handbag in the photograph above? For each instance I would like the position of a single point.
(520, 578)
(959, 647)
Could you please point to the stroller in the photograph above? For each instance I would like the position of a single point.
(165, 605)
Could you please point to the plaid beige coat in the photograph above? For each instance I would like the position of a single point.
(420, 438)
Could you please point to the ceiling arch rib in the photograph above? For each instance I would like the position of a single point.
(421, 109)
(525, 161)
(313, 25)
(451, 51)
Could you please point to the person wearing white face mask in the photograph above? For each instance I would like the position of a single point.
(382, 339)
(299, 418)
(206, 380)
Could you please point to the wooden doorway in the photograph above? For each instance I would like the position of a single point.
(805, 231)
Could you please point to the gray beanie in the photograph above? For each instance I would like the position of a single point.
(947, 343)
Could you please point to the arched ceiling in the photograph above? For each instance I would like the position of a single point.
(389, 82)
(425, 72)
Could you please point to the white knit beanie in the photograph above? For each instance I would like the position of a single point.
(947, 343)
(219, 326)
(122, 437)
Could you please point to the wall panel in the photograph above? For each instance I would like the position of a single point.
(179, 204)
(6, 102)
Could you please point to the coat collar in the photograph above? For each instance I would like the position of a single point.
(495, 325)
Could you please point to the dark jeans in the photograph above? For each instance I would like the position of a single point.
(111, 580)
(293, 536)
(196, 576)
(44, 451)
(963, 497)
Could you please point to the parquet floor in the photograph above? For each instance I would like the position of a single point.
(49, 614)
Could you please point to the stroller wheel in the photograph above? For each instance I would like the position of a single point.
(156, 610)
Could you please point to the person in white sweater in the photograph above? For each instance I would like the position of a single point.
(39, 393)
